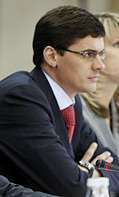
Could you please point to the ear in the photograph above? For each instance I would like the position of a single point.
(49, 54)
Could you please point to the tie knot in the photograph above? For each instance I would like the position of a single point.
(69, 115)
(69, 119)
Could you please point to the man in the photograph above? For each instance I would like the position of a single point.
(36, 149)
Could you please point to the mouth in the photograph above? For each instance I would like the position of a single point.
(93, 78)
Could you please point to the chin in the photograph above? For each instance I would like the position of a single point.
(87, 88)
(90, 89)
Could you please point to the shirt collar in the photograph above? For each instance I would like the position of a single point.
(61, 96)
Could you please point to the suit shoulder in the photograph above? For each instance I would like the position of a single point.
(16, 79)
(21, 84)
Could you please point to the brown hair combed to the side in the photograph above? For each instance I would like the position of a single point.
(61, 26)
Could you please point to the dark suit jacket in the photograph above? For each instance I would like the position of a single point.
(8, 189)
(34, 148)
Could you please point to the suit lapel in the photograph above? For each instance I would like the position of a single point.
(40, 79)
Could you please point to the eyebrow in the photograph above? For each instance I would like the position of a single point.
(92, 50)
(85, 50)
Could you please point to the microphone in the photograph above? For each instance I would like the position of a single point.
(109, 167)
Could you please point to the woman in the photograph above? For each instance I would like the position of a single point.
(101, 107)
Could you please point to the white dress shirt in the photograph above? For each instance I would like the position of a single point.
(61, 96)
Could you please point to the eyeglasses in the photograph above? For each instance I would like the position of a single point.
(88, 54)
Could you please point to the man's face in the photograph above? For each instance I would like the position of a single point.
(79, 73)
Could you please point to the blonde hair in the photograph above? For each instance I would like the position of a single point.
(109, 21)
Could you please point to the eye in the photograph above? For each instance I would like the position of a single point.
(116, 44)
(102, 54)
(89, 54)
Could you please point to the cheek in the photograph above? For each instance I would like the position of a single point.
(112, 61)
(112, 70)
(112, 66)
(73, 68)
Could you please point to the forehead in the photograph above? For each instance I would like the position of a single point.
(111, 26)
(89, 42)
(112, 34)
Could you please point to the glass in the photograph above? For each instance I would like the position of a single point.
(88, 54)
(97, 187)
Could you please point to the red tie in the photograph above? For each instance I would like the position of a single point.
(69, 118)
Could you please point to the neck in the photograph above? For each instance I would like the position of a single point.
(64, 85)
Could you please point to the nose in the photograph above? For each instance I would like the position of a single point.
(99, 64)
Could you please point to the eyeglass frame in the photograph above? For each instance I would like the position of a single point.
(84, 53)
